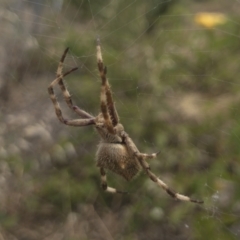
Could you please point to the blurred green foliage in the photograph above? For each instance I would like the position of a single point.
(176, 90)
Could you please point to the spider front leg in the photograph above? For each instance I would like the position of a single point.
(107, 105)
(66, 94)
(104, 185)
(133, 150)
(73, 122)
(88, 118)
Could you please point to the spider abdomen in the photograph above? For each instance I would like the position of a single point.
(115, 157)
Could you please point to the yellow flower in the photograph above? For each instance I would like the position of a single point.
(210, 20)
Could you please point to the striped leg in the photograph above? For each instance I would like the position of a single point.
(89, 120)
(65, 92)
(104, 185)
(133, 149)
(106, 94)
(148, 156)
(163, 185)
(68, 100)
(74, 122)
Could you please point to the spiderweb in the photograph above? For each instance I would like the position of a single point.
(173, 70)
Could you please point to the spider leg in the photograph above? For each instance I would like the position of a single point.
(133, 150)
(106, 94)
(163, 185)
(149, 156)
(104, 185)
(76, 122)
(68, 100)
(65, 92)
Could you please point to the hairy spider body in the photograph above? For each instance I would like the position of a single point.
(115, 157)
(112, 152)
(116, 150)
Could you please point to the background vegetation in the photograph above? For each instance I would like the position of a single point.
(175, 83)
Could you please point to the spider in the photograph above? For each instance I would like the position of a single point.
(116, 151)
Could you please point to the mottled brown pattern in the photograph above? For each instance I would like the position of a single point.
(116, 158)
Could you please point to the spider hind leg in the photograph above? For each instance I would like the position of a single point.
(164, 186)
(141, 158)
(104, 184)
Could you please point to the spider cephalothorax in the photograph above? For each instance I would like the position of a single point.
(116, 150)
(106, 135)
